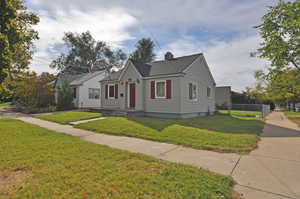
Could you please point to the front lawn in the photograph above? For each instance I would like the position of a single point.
(67, 117)
(219, 133)
(293, 116)
(46, 164)
(5, 104)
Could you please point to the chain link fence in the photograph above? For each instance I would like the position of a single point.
(264, 109)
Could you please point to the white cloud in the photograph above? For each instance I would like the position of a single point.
(230, 62)
(228, 14)
(109, 26)
(109, 21)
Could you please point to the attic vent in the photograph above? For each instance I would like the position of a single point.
(169, 56)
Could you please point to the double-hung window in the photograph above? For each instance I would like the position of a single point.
(94, 93)
(208, 92)
(160, 90)
(193, 91)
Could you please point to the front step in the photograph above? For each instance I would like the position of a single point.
(114, 113)
(118, 113)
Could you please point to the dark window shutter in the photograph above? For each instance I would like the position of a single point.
(106, 91)
(74, 93)
(190, 91)
(169, 89)
(152, 89)
(116, 91)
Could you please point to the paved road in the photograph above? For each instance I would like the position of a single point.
(270, 172)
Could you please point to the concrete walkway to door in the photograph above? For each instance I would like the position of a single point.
(270, 172)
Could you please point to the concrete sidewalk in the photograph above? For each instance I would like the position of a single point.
(270, 172)
(213, 161)
(273, 170)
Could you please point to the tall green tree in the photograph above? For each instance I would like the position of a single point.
(144, 51)
(279, 86)
(85, 54)
(16, 36)
(280, 32)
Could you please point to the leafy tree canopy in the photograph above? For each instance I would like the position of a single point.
(85, 54)
(32, 90)
(144, 51)
(279, 86)
(280, 32)
(16, 36)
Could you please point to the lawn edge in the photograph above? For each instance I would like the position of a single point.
(36, 116)
(240, 152)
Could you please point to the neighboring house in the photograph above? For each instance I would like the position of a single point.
(86, 88)
(293, 106)
(223, 97)
(181, 87)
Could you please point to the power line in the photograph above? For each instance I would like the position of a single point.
(150, 33)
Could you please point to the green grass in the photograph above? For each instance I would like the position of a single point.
(5, 104)
(293, 116)
(218, 133)
(66, 117)
(62, 166)
(240, 113)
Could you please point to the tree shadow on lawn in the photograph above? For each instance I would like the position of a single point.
(220, 122)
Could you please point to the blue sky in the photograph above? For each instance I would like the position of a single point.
(221, 29)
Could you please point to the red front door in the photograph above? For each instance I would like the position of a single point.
(131, 95)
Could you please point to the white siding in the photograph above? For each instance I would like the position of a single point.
(129, 76)
(132, 76)
(159, 105)
(83, 100)
(110, 103)
(179, 103)
(199, 74)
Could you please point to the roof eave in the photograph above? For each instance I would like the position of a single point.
(164, 75)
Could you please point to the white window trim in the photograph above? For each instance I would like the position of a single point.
(164, 97)
(109, 85)
(193, 83)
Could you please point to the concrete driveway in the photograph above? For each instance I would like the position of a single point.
(273, 170)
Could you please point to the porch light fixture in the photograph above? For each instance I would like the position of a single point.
(138, 81)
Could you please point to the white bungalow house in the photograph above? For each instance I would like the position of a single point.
(86, 88)
(177, 87)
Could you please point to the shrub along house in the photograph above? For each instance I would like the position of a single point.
(181, 87)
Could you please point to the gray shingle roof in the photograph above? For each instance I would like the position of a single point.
(113, 76)
(81, 79)
(165, 67)
(66, 77)
(76, 80)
